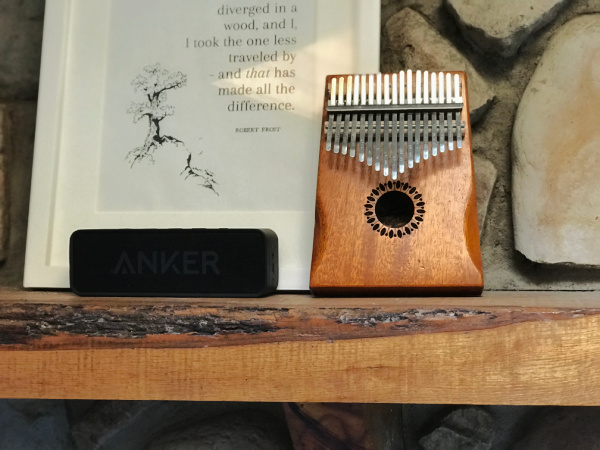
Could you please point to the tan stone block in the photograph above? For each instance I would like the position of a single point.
(556, 137)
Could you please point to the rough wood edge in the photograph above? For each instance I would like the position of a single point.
(36, 320)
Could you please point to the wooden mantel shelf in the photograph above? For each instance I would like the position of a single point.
(502, 348)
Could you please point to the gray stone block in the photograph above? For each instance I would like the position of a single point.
(501, 27)
(34, 424)
(18, 154)
(564, 428)
(420, 46)
(248, 430)
(5, 143)
(462, 429)
(21, 24)
(116, 425)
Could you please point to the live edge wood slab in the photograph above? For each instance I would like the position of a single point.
(501, 348)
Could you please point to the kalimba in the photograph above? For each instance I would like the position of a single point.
(396, 211)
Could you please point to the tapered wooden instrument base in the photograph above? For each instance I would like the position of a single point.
(359, 246)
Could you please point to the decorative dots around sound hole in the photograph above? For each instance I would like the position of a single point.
(394, 209)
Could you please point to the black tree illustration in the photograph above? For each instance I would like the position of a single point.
(154, 82)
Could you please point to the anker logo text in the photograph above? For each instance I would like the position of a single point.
(160, 262)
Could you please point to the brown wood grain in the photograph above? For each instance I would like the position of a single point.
(502, 348)
(440, 257)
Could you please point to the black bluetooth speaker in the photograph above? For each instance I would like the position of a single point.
(174, 262)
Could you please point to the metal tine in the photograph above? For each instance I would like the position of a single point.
(441, 99)
(426, 115)
(418, 100)
(409, 100)
(449, 114)
(378, 126)
(332, 95)
(458, 99)
(386, 127)
(338, 117)
(363, 101)
(347, 117)
(434, 100)
(354, 118)
(371, 87)
(401, 88)
(394, 143)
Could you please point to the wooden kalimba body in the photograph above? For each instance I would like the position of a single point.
(396, 212)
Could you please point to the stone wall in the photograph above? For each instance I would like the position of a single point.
(545, 174)
(534, 75)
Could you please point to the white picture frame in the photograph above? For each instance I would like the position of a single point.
(77, 88)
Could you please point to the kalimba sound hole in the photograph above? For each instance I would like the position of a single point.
(394, 209)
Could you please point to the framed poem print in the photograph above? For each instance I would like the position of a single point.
(186, 114)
